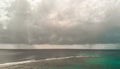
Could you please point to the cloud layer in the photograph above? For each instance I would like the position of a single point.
(70, 22)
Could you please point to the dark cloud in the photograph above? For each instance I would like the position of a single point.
(70, 22)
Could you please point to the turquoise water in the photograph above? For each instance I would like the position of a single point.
(96, 59)
(93, 63)
(101, 62)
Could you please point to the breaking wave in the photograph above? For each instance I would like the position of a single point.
(48, 59)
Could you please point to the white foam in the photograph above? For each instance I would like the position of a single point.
(59, 58)
(30, 61)
(15, 63)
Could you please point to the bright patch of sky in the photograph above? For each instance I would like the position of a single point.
(4, 4)
(34, 3)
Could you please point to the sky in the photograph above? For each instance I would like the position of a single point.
(71, 22)
(48, 46)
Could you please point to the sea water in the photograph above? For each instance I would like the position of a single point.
(93, 59)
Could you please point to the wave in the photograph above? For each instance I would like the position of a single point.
(48, 59)
(16, 63)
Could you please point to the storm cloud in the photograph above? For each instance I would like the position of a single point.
(65, 21)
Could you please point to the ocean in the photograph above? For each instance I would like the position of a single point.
(106, 59)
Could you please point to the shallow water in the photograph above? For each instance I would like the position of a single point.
(103, 59)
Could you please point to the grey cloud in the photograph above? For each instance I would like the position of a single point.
(69, 22)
